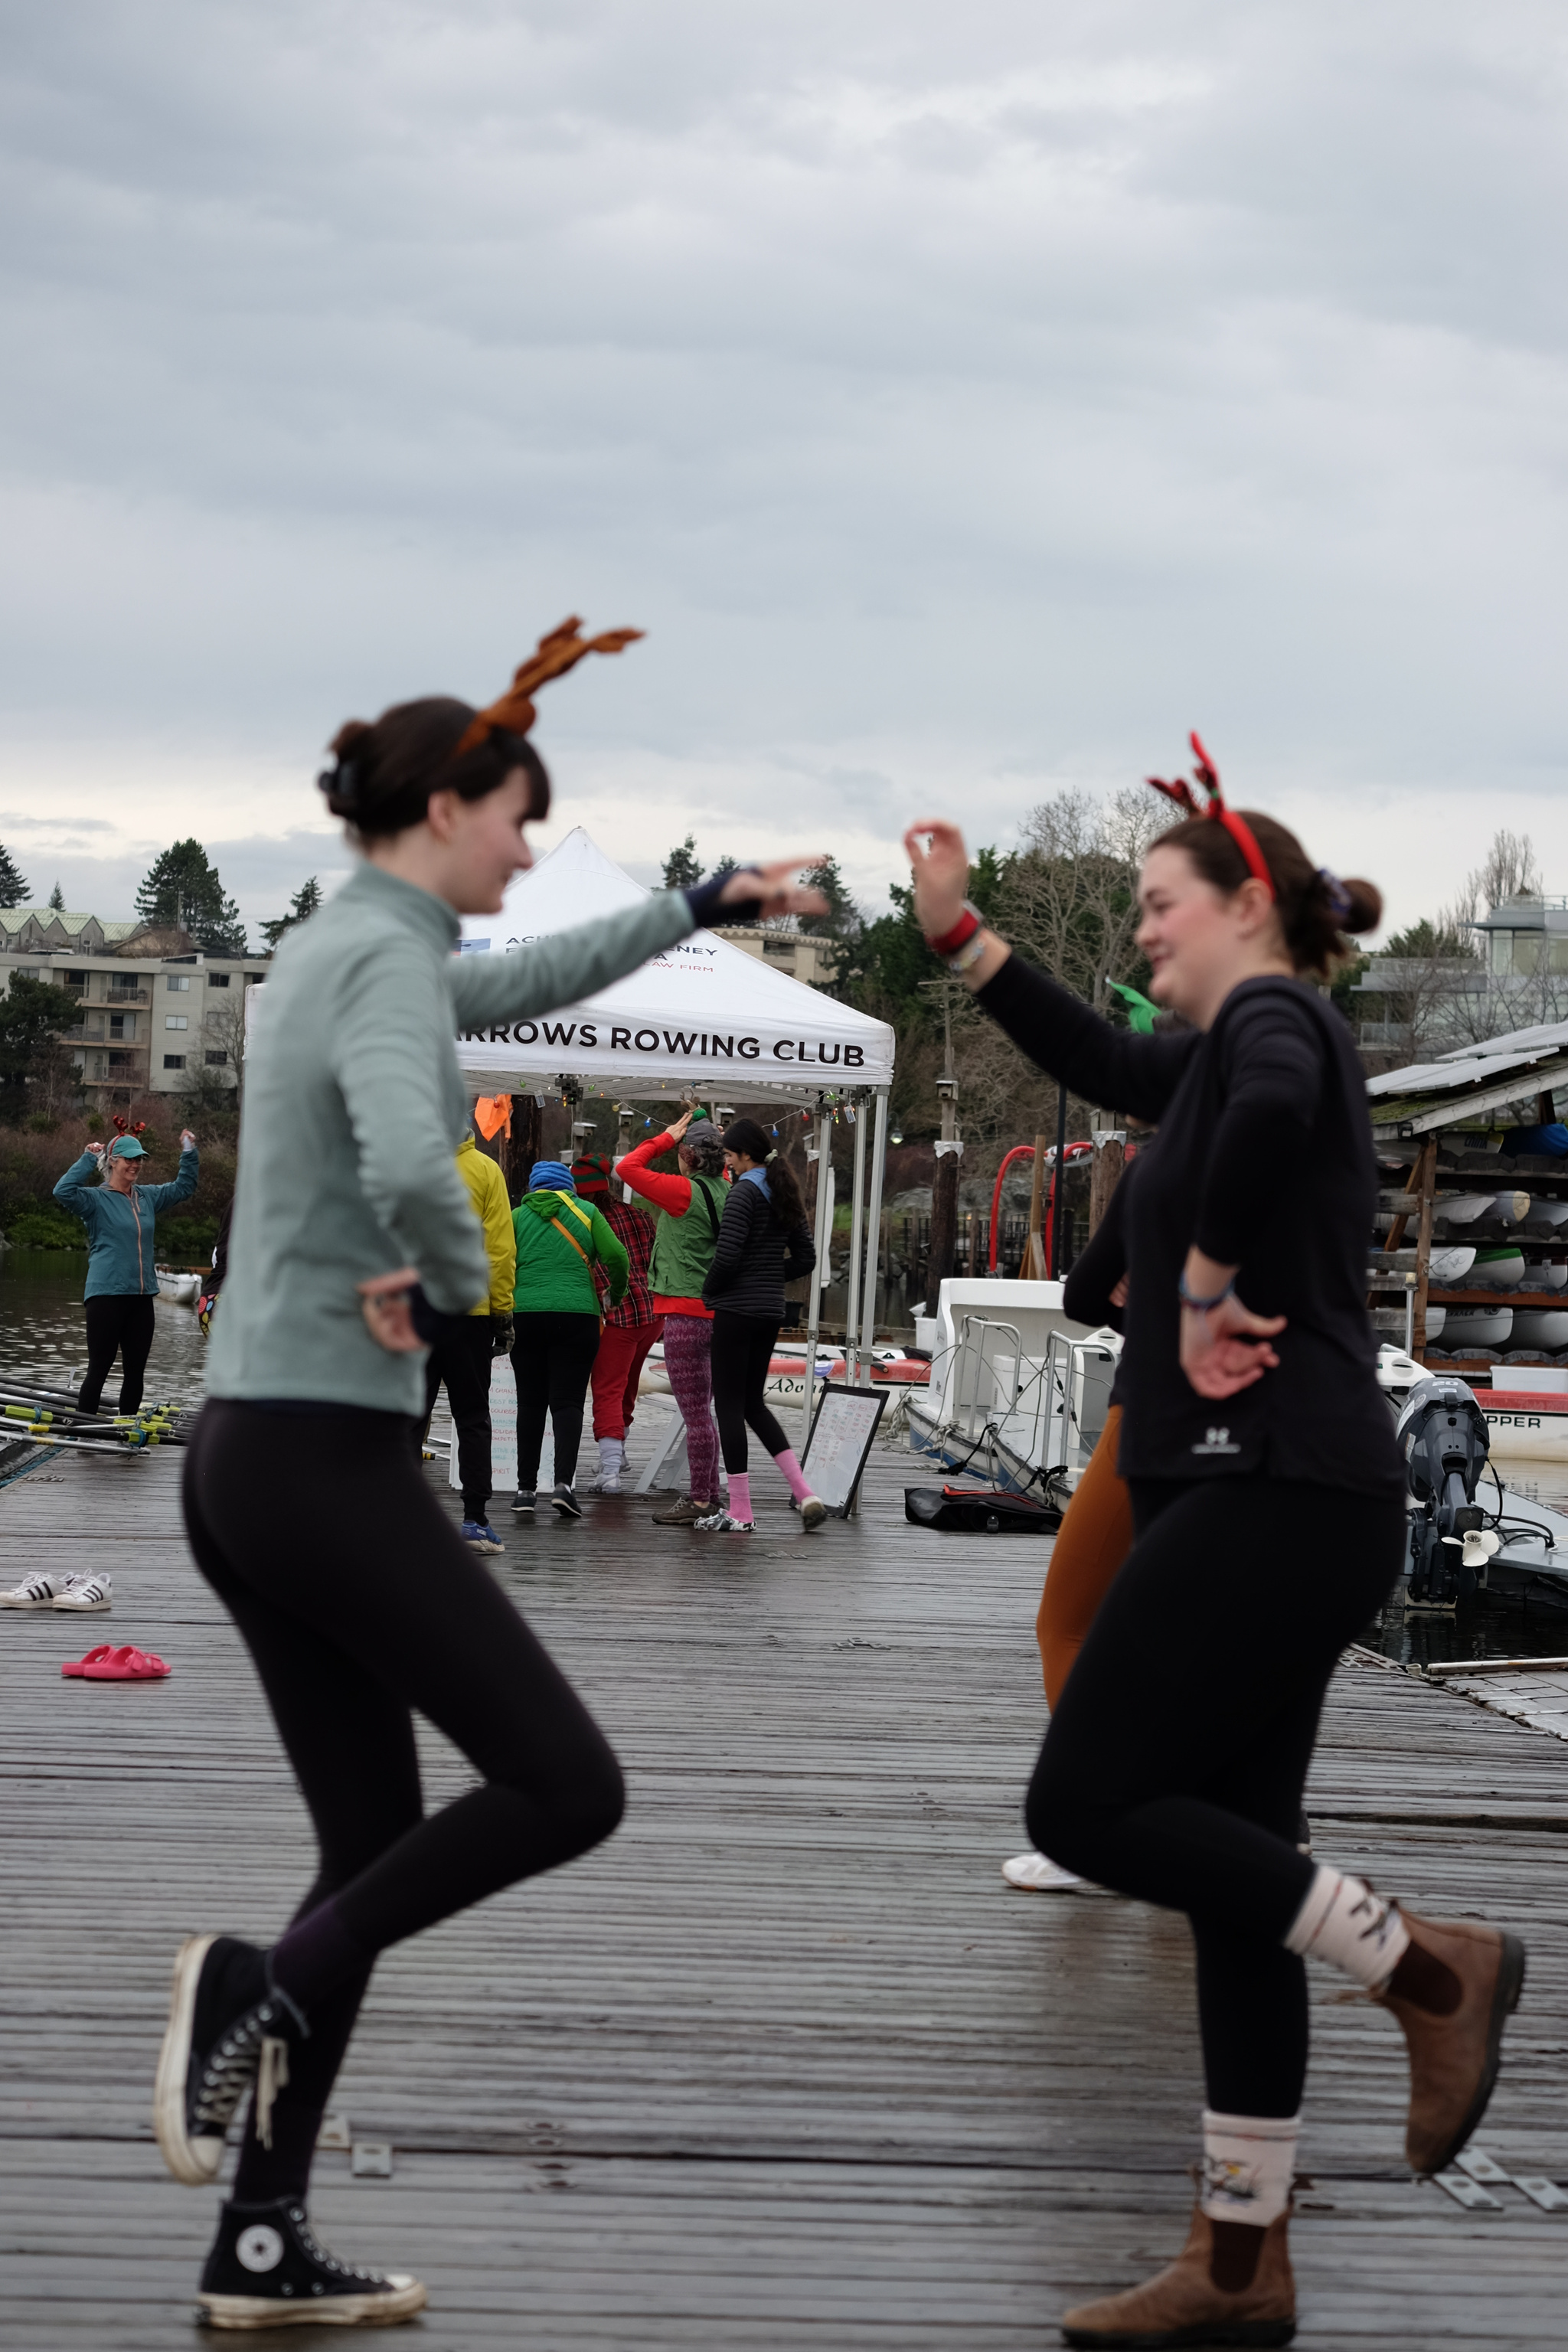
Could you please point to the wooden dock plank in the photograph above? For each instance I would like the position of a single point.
(788, 2063)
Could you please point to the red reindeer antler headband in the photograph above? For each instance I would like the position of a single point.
(563, 649)
(1240, 832)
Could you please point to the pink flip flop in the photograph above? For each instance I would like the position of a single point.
(94, 1657)
(126, 1666)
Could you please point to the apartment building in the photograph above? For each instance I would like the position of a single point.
(801, 955)
(142, 1004)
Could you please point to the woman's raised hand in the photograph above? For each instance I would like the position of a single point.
(678, 1126)
(187, 1140)
(96, 1149)
(940, 863)
(776, 887)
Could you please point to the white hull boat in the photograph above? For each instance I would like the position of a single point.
(1543, 1328)
(1548, 1212)
(1449, 1266)
(1478, 1326)
(1545, 1275)
(1497, 1269)
(1437, 1319)
(186, 1288)
(1470, 1208)
(1525, 1427)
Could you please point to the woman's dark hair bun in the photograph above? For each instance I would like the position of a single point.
(1365, 910)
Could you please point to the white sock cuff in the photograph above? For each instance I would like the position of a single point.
(1343, 1922)
(1249, 2164)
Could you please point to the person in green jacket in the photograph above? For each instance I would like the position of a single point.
(560, 1240)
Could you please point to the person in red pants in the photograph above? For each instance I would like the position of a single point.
(629, 1329)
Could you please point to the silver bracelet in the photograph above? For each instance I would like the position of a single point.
(968, 954)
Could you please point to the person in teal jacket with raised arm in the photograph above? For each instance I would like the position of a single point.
(122, 1285)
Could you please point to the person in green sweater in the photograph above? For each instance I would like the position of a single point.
(560, 1240)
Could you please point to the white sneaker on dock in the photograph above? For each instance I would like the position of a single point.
(89, 1596)
(39, 1591)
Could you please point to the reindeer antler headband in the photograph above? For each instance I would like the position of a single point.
(563, 649)
(1240, 832)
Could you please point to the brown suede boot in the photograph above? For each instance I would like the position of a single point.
(1185, 2305)
(1452, 1992)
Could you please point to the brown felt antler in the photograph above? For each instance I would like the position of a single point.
(513, 713)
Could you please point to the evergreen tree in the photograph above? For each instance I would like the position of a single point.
(301, 907)
(681, 870)
(30, 1012)
(182, 886)
(14, 891)
(57, 899)
(843, 920)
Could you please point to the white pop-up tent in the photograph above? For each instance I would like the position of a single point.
(703, 1018)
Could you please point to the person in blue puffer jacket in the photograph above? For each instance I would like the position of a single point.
(119, 1216)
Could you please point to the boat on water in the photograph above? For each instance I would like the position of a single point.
(181, 1286)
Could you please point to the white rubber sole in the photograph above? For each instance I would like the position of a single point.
(9, 1600)
(195, 2162)
(82, 1608)
(401, 2300)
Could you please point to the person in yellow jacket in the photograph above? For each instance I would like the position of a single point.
(463, 1361)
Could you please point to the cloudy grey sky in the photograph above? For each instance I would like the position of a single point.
(967, 402)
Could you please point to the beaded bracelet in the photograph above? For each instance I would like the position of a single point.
(1201, 1306)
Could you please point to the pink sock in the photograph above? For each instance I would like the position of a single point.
(791, 1472)
(739, 1495)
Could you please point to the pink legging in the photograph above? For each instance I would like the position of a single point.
(687, 1341)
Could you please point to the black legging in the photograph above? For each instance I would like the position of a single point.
(463, 1362)
(1175, 1760)
(742, 1350)
(360, 1603)
(123, 1324)
(553, 1357)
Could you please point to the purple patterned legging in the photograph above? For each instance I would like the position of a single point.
(687, 1341)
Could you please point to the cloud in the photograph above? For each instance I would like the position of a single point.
(966, 404)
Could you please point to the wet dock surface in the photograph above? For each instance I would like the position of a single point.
(786, 2066)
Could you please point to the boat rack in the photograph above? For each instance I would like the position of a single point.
(1431, 1126)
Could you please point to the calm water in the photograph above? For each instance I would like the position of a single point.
(43, 1332)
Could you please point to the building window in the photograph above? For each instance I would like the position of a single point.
(117, 1024)
(177, 980)
(173, 1061)
(218, 979)
(76, 979)
(120, 1061)
(217, 1061)
(176, 1020)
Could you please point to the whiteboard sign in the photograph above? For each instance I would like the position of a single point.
(842, 1429)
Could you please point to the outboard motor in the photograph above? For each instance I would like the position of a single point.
(1442, 1433)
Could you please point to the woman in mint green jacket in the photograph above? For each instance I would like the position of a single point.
(353, 1246)
(555, 1324)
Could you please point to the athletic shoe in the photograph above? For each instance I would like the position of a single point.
(268, 2269)
(564, 1500)
(228, 2029)
(687, 1513)
(1038, 1875)
(612, 1462)
(39, 1591)
(721, 1524)
(88, 1594)
(812, 1511)
(480, 1535)
(522, 1502)
(608, 1483)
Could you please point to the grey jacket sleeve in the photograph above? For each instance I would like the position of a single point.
(389, 1045)
(567, 965)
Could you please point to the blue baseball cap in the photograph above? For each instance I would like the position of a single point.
(125, 1147)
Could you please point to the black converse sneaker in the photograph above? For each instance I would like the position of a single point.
(228, 2027)
(267, 2270)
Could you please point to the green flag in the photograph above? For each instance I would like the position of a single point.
(1140, 1011)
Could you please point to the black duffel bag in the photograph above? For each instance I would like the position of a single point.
(979, 1511)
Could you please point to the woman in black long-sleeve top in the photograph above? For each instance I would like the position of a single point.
(1268, 1498)
(763, 1242)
